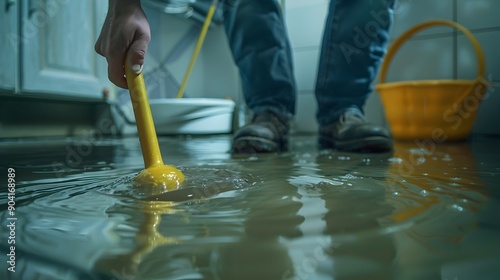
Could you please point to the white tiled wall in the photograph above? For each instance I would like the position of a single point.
(306, 65)
(466, 57)
(411, 12)
(307, 31)
(416, 55)
(214, 74)
(478, 14)
(489, 38)
(437, 53)
(305, 21)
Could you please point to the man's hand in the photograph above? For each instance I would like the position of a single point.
(124, 35)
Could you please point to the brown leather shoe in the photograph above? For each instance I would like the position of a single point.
(267, 133)
(351, 133)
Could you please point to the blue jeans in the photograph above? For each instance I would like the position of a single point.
(354, 44)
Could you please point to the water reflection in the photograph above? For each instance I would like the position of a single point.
(354, 232)
(147, 239)
(433, 175)
(412, 214)
(439, 190)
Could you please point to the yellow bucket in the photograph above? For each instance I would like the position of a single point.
(437, 110)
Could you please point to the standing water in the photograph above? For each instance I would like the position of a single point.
(423, 211)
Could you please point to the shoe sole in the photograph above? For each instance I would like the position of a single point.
(374, 144)
(251, 145)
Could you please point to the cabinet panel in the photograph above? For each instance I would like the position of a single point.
(8, 47)
(58, 39)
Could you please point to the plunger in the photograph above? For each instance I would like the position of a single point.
(156, 175)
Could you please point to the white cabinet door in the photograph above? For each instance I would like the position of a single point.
(8, 47)
(58, 56)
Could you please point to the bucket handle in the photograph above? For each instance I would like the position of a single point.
(424, 25)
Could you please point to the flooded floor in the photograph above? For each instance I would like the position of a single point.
(424, 211)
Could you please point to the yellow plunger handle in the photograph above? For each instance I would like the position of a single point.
(197, 48)
(144, 120)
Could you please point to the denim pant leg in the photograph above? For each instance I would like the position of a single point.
(259, 44)
(354, 44)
